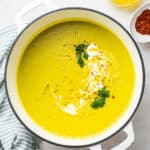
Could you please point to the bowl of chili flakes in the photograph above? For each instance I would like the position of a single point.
(140, 23)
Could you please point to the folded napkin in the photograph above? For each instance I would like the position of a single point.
(13, 136)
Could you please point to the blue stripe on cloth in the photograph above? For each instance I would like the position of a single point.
(13, 136)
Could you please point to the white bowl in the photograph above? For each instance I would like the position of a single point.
(139, 37)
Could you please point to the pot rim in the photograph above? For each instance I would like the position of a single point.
(129, 35)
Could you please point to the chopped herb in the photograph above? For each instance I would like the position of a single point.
(95, 103)
(85, 55)
(103, 92)
(80, 60)
(100, 99)
(81, 53)
(98, 102)
(81, 47)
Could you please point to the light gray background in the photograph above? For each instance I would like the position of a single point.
(141, 121)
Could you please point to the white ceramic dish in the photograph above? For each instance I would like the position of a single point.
(17, 50)
(139, 37)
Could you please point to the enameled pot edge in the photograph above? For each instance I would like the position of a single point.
(138, 50)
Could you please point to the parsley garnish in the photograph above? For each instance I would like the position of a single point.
(80, 60)
(81, 54)
(85, 55)
(103, 92)
(99, 101)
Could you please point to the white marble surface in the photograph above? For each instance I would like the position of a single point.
(8, 10)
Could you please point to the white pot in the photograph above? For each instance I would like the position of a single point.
(17, 50)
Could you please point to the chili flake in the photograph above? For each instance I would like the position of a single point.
(142, 24)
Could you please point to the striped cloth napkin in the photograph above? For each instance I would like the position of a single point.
(13, 136)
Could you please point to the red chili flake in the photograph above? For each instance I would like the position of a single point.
(113, 97)
(142, 24)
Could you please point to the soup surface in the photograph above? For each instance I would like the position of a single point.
(75, 79)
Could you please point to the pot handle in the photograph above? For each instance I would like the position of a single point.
(20, 23)
(125, 144)
(129, 140)
(96, 147)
